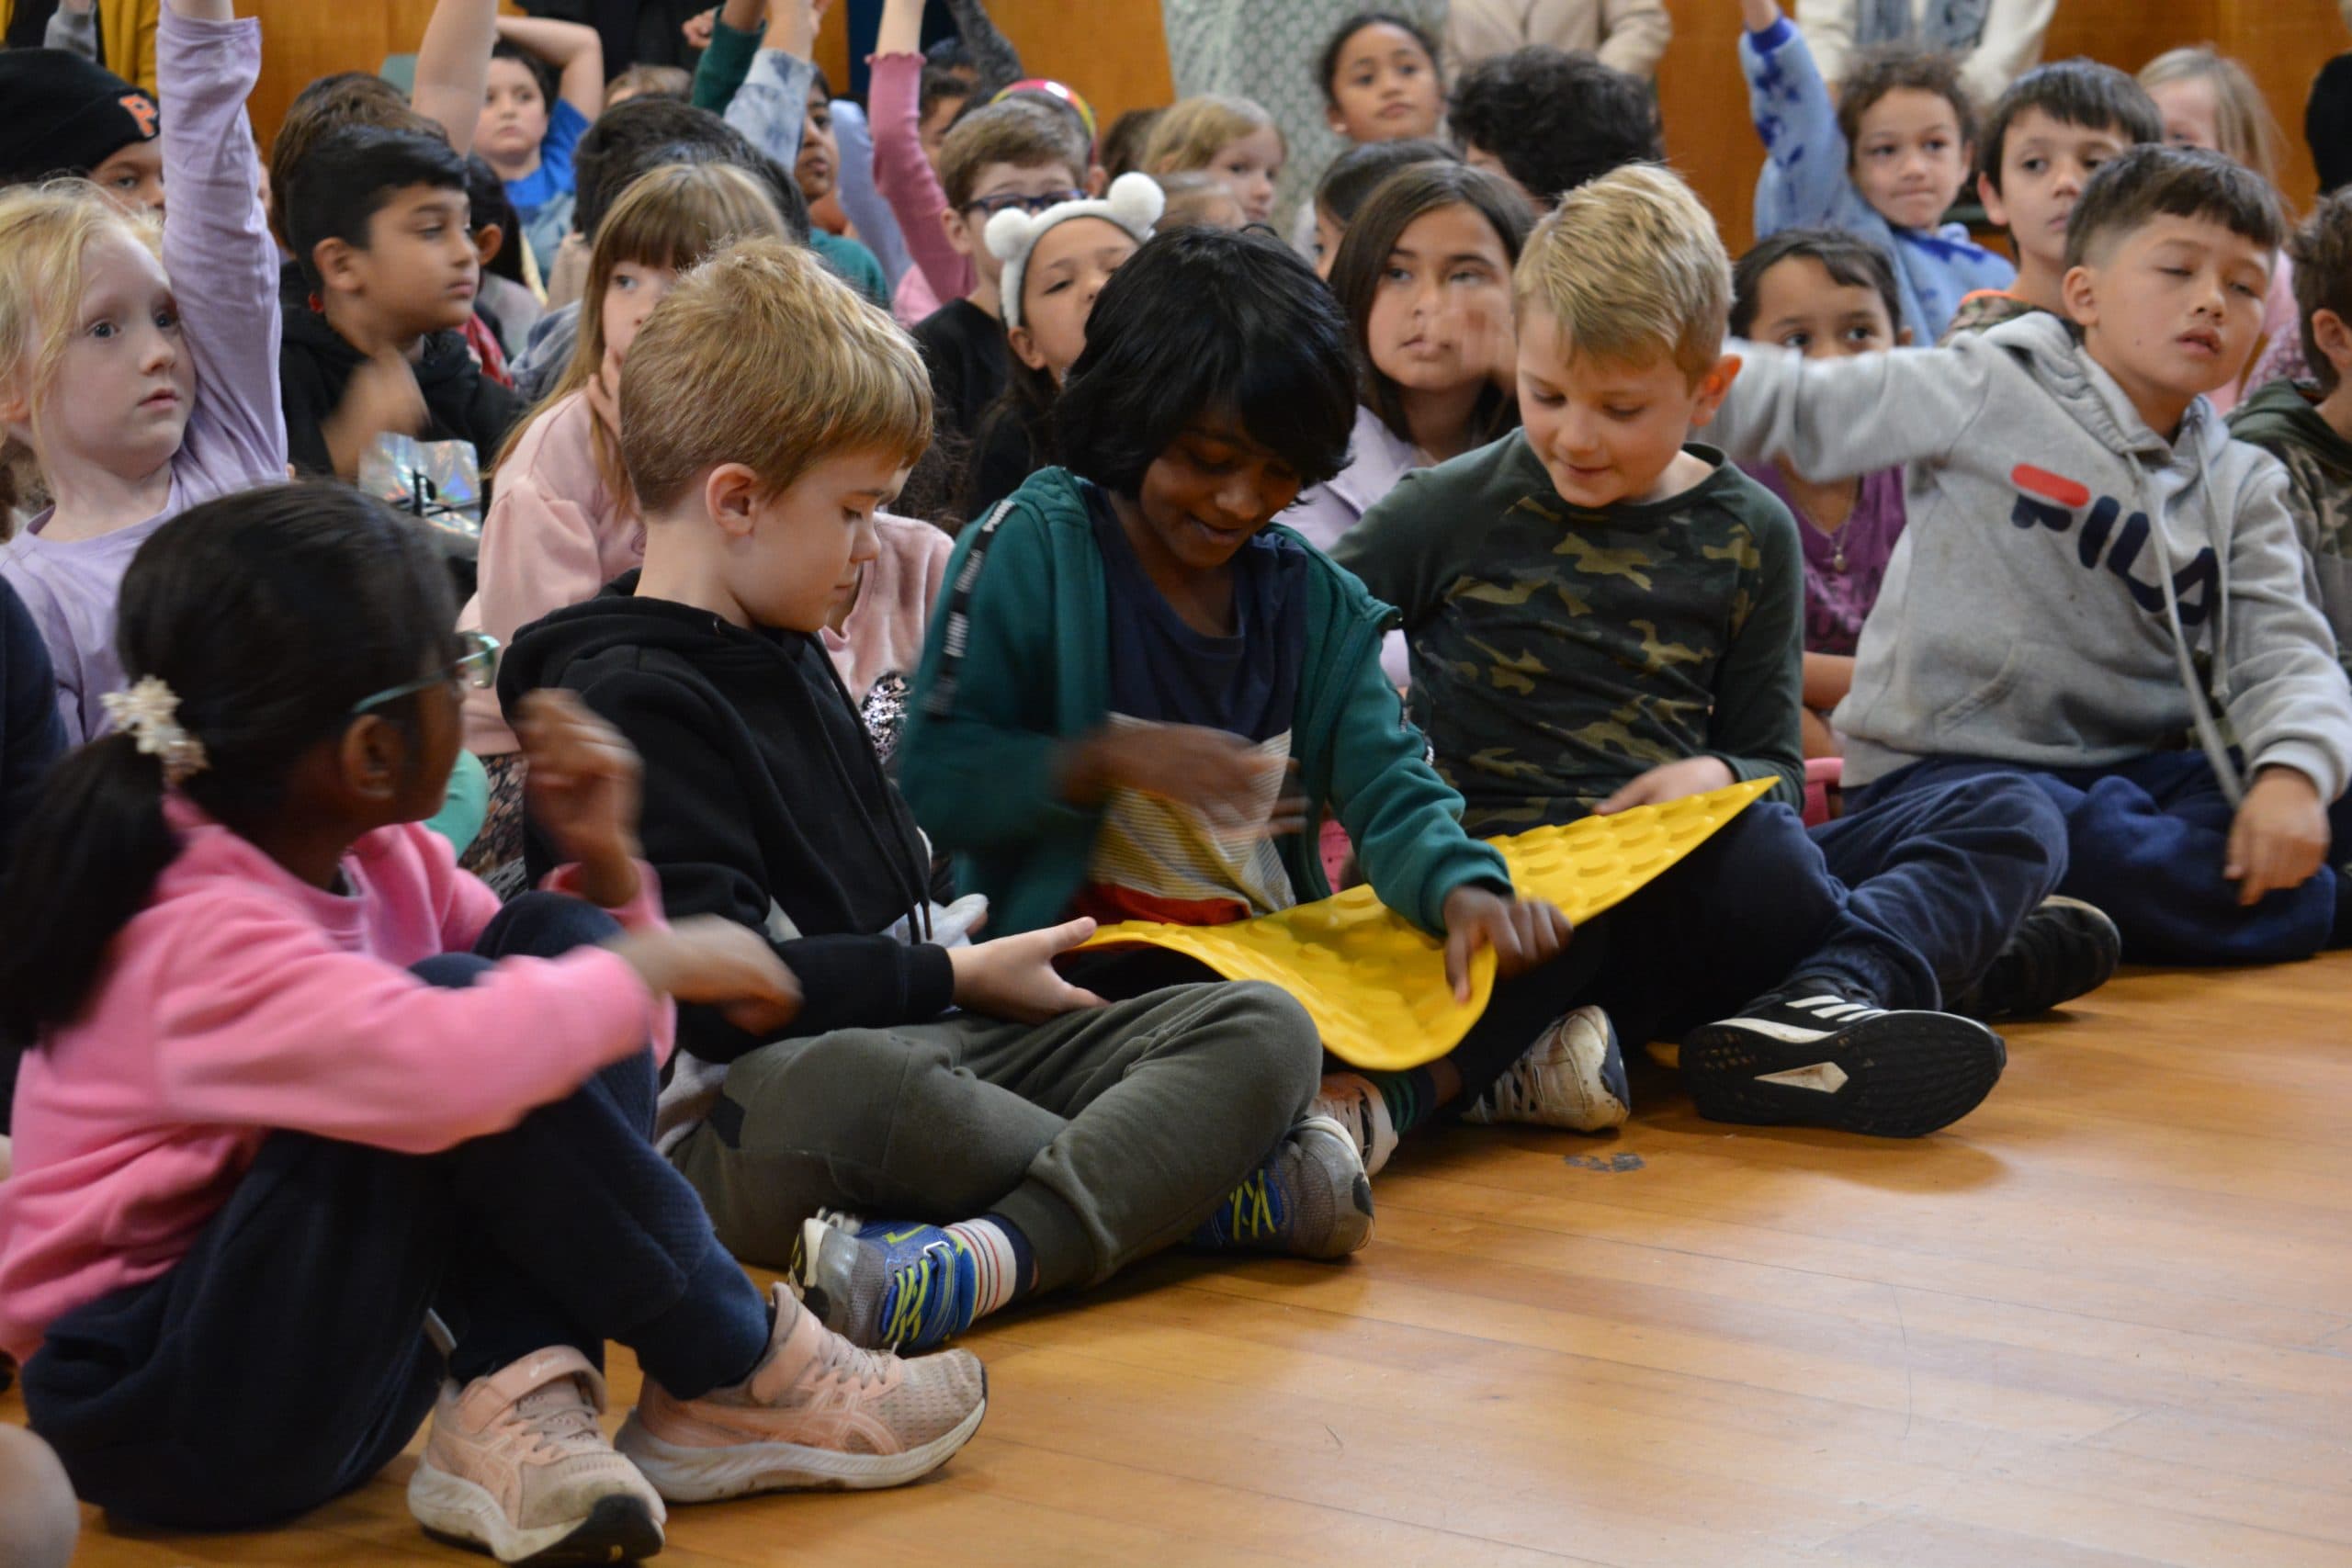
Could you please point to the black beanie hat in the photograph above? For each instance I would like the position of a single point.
(66, 115)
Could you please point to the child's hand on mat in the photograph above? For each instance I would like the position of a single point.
(708, 958)
(1524, 932)
(1669, 781)
(2279, 837)
(582, 791)
(1222, 774)
(1014, 977)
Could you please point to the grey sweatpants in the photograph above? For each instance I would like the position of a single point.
(1104, 1136)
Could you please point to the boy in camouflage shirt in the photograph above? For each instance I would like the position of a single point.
(1602, 617)
(2308, 425)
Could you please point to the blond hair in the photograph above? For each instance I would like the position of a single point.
(2242, 118)
(761, 357)
(673, 217)
(46, 231)
(1191, 132)
(1630, 267)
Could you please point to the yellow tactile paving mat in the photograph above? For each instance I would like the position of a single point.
(1376, 987)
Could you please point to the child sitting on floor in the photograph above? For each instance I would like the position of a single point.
(1381, 84)
(1827, 295)
(1032, 1139)
(2308, 425)
(378, 220)
(1603, 615)
(2042, 142)
(1014, 156)
(306, 1103)
(1548, 120)
(1230, 137)
(2081, 532)
(72, 117)
(1052, 267)
(85, 304)
(1884, 160)
(1133, 668)
(1349, 183)
(532, 120)
(561, 526)
(1424, 276)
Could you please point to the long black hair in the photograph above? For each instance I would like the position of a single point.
(268, 614)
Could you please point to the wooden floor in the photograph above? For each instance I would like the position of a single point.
(2107, 1321)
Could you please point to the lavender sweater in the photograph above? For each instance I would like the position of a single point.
(223, 267)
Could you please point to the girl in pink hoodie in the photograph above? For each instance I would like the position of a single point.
(304, 1103)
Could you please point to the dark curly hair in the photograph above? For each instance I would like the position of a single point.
(1556, 119)
(1878, 71)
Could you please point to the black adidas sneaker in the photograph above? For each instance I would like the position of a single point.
(1814, 1057)
(2063, 949)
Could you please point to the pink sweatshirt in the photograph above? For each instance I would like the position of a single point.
(883, 633)
(242, 999)
(555, 537)
(906, 178)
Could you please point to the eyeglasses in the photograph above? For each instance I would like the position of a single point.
(473, 668)
(1031, 205)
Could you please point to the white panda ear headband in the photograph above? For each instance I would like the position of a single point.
(1134, 203)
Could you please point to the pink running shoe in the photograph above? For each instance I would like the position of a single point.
(516, 1466)
(817, 1412)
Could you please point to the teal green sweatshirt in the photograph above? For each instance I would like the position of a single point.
(1017, 663)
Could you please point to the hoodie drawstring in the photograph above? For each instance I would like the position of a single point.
(2200, 707)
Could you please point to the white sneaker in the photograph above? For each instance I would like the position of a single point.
(1573, 1078)
(516, 1466)
(1349, 1100)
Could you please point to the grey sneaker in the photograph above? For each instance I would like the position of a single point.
(1573, 1078)
(1311, 1199)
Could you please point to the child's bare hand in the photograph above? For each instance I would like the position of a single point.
(582, 790)
(2279, 838)
(712, 960)
(1014, 977)
(1668, 781)
(1524, 933)
(1758, 15)
(381, 398)
(1220, 773)
(697, 31)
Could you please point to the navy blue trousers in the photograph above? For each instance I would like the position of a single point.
(1902, 902)
(2146, 841)
(284, 1360)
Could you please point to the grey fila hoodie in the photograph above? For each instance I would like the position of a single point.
(2062, 565)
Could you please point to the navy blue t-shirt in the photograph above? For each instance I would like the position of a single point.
(1163, 672)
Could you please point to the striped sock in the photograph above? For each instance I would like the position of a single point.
(1410, 1097)
(999, 1255)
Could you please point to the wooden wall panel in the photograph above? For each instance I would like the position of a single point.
(304, 40)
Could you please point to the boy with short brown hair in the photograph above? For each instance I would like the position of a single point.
(1603, 614)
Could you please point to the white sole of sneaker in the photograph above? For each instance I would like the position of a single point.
(619, 1529)
(705, 1475)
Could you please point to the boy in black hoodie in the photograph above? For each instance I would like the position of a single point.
(378, 219)
(1034, 1139)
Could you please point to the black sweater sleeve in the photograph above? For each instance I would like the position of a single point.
(32, 736)
(700, 838)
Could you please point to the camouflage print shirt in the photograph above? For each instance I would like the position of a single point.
(1984, 311)
(1558, 653)
(2283, 418)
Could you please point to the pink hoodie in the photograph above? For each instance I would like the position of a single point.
(555, 537)
(242, 999)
